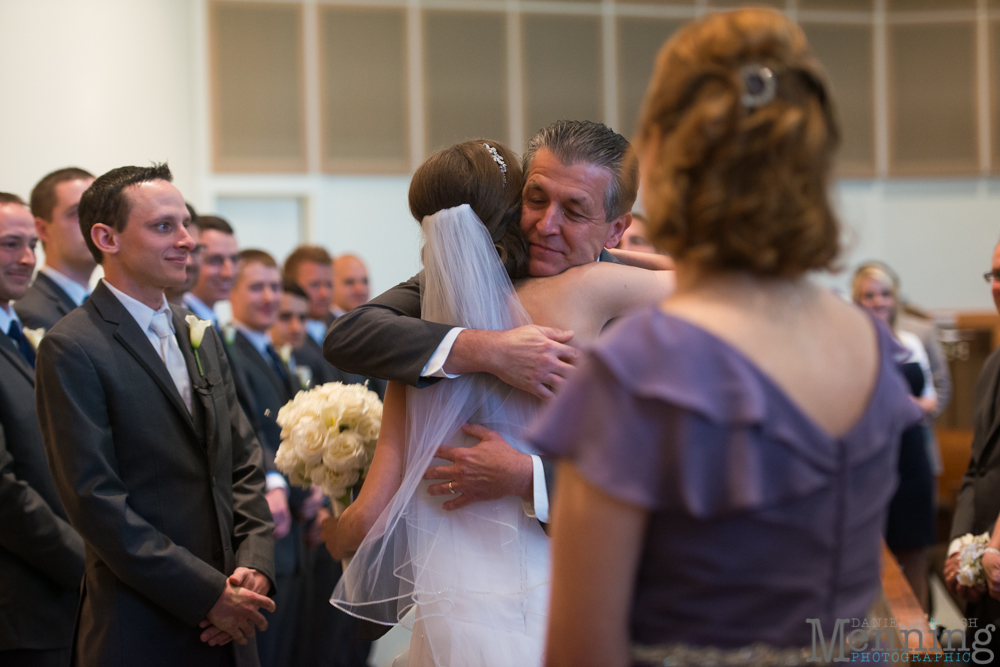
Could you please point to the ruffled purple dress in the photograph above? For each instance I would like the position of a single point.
(759, 519)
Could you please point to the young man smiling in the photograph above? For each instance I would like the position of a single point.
(157, 467)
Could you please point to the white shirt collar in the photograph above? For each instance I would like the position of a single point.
(337, 311)
(77, 292)
(142, 313)
(198, 307)
(259, 340)
(7, 317)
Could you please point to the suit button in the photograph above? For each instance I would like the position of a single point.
(217, 554)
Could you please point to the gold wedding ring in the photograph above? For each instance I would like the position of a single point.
(451, 487)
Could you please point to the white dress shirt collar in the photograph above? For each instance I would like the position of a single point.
(198, 307)
(316, 330)
(139, 311)
(8, 315)
(76, 292)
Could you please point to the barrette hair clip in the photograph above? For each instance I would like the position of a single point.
(499, 161)
(759, 85)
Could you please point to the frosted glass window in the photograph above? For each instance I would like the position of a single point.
(842, 5)
(257, 85)
(363, 78)
(932, 99)
(639, 42)
(846, 53)
(272, 224)
(562, 69)
(465, 74)
(916, 5)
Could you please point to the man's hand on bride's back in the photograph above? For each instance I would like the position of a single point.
(533, 358)
(487, 471)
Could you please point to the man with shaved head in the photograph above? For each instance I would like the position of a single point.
(350, 284)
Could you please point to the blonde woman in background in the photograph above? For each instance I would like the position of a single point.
(910, 529)
(727, 472)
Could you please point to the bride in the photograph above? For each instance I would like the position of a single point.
(476, 578)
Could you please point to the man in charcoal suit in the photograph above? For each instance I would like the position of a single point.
(152, 457)
(41, 556)
(255, 299)
(64, 282)
(578, 194)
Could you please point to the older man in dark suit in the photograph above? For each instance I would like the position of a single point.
(157, 467)
(41, 556)
(64, 282)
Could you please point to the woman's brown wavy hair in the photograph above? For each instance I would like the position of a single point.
(736, 188)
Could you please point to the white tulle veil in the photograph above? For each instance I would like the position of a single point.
(476, 577)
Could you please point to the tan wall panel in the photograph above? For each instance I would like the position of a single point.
(465, 74)
(729, 4)
(669, 3)
(932, 119)
(562, 69)
(916, 5)
(846, 52)
(842, 5)
(363, 82)
(257, 86)
(639, 41)
(994, 69)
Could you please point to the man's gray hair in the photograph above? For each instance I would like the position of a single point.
(583, 141)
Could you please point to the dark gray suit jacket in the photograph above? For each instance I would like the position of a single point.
(311, 355)
(168, 502)
(41, 556)
(385, 338)
(44, 304)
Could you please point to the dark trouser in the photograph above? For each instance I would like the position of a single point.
(36, 658)
(276, 645)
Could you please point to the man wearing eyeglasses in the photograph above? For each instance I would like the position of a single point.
(218, 268)
(977, 509)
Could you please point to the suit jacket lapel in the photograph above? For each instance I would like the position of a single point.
(135, 341)
(56, 293)
(202, 407)
(251, 355)
(10, 350)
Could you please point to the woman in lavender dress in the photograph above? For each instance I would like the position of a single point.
(728, 456)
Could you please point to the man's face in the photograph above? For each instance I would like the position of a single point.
(635, 238)
(62, 235)
(290, 329)
(996, 283)
(154, 246)
(193, 267)
(563, 214)
(218, 266)
(350, 283)
(317, 281)
(256, 295)
(17, 251)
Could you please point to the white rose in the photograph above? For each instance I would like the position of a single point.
(308, 436)
(353, 414)
(344, 452)
(337, 484)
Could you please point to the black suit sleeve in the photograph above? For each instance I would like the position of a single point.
(252, 524)
(30, 529)
(76, 426)
(385, 338)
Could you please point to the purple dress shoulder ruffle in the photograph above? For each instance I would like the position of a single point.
(759, 519)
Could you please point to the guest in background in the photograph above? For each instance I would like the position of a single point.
(255, 297)
(635, 237)
(41, 556)
(153, 460)
(288, 333)
(311, 268)
(218, 267)
(911, 527)
(64, 282)
(175, 295)
(700, 509)
(350, 284)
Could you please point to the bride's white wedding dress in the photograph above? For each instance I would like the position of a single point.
(477, 577)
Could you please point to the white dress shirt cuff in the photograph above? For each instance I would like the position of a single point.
(539, 508)
(275, 480)
(435, 365)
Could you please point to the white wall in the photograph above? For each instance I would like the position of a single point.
(104, 83)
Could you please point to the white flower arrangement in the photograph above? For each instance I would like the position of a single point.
(34, 336)
(328, 437)
(970, 558)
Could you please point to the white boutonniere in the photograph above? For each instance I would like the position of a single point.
(285, 353)
(229, 334)
(198, 327)
(34, 336)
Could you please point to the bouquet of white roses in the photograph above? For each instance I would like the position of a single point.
(328, 436)
(970, 558)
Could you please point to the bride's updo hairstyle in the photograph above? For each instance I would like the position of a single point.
(737, 135)
(467, 173)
